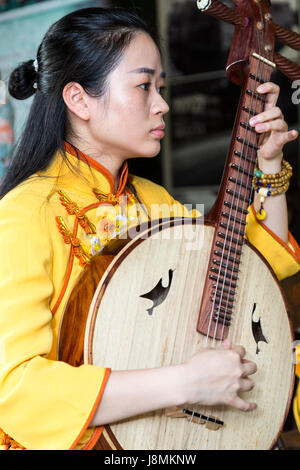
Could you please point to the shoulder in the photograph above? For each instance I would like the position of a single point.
(153, 194)
(150, 192)
(27, 203)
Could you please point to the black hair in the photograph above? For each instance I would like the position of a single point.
(83, 47)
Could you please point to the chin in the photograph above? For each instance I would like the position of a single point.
(149, 154)
(153, 152)
(144, 150)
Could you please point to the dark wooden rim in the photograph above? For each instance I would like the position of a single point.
(121, 251)
(130, 247)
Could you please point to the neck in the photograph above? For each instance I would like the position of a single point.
(112, 164)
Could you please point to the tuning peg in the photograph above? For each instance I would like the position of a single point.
(221, 11)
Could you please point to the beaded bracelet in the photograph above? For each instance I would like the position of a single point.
(276, 179)
(263, 183)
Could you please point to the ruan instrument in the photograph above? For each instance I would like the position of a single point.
(182, 284)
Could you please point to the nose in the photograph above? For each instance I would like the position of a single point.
(160, 106)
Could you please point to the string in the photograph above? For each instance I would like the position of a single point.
(248, 176)
(233, 225)
(239, 192)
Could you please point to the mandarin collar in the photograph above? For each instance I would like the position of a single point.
(100, 169)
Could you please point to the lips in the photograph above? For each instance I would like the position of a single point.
(159, 131)
(159, 128)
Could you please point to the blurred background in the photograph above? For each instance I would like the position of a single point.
(202, 100)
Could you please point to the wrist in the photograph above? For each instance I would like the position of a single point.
(178, 379)
(270, 165)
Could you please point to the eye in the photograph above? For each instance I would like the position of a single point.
(145, 86)
(161, 90)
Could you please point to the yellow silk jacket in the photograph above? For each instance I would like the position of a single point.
(50, 227)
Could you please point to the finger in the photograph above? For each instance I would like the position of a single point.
(286, 137)
(240, 350)
(249, 368)
(272, 91)
(276, 125)
(226, 344)
(273, 113)
(246, 385)
(293, 134)
(240, 404)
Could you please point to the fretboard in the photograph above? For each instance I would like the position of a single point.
(231, 209)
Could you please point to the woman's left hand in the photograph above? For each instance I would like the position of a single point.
(271, 125)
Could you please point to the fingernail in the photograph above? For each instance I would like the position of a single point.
(253, 121)
(260, 88)
(226, 343)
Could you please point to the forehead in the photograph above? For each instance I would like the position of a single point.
(141, 53)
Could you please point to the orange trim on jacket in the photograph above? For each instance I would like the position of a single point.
(97, 166)
(98, 430)
(295, 252)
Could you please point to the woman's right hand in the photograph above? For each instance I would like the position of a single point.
(210, 377)
(217, 376)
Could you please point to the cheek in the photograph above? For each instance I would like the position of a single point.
(131, 116)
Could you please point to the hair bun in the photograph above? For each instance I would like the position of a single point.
(21, 81)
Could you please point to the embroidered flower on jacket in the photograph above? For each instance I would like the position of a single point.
(95, 245)
(121, 224)
(106, 228)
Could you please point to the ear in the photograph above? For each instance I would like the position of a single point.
(75, 98)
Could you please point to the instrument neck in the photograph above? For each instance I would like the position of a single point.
(231, 208)
(242, 155)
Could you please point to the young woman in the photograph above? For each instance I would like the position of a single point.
(97, 81)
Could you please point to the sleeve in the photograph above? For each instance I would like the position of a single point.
(44, 404)
(284, 258)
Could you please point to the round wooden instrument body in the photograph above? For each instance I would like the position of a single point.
(125, 329)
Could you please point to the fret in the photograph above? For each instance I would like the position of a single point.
(256, 79)
(232, 240)
(256, 95)
(225, 310)
(222, 301)
(235, 207)
(249, 111)
(231, 229)
(230, 258)
(229, 248)
(224, 281)
(224, 289)
(223, 313)
(247, 142)
(236, 195)
(245, 172)
(225, 320)
(221, 297)
(245, 157)
(224, 274)
(241, 183)
(247, 126)
(236, 219)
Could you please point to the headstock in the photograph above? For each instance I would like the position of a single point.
(255, 32)
(256, 37)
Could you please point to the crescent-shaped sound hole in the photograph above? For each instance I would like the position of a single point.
(257, 330)
(158, 294)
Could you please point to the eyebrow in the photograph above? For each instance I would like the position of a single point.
(147, 70)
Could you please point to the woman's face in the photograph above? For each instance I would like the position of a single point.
(122, 121)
